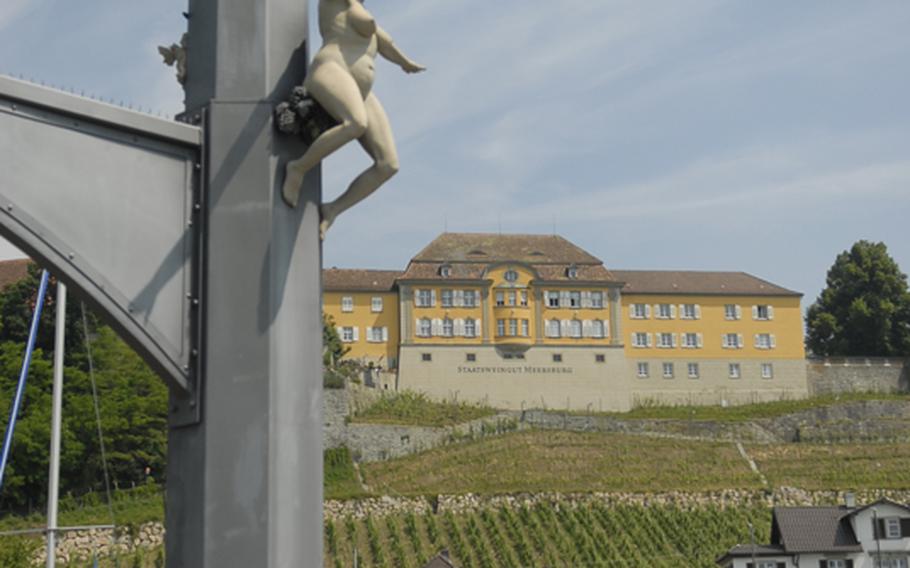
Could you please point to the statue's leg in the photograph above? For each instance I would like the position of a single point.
(379, 143)
(333, 87)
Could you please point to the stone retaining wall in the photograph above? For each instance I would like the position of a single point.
(845, 375)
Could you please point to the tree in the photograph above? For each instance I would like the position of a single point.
(864, 309)
(332, 347)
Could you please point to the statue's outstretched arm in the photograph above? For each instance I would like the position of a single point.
(390, 51)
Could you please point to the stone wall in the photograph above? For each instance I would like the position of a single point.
(844, 375)
(82, 546)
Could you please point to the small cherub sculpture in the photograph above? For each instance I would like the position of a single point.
(340, 79)
(175, 55)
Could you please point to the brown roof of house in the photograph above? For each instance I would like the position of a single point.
(813, 529)
(357, 279)
(697, 282)
(491, 247)
(477, 271)
(12, 271)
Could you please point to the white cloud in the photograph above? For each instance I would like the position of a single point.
(11, 10)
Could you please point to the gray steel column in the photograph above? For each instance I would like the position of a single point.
(53, 483)
(244, 486)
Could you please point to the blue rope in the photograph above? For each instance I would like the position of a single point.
(23, 375)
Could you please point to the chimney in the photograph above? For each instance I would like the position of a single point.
(850, 500)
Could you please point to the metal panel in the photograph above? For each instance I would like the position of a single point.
(105, 198)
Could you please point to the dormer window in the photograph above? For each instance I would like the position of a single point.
(510, 276)
(572, 272)
(445, 271)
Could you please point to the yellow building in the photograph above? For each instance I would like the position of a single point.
(520, 321)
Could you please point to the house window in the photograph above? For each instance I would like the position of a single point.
(425, 329)
(767, 564)
(764, 341)
(762, 312)
(732, 341)
(347, 304)
(447, 298)
(597, 328)
(892, 527)
(500, 299)
(557, 357)
(347, 334)
(574, 299)
(666, 340)
(426, 357)
(664, 311)
(572, 272)
(448, 327)
(470, 298)
(470, 328)
(553, 299)
(597, 299)
(639, 311)
(513, 327)
(376, 334)
(690, 311)
(690, 340)
(640, 339)
(424, 298)
(731, 312)
(500, 327)
(510, 276)
(599, 357)
(445, 271)
(836, 563)
(898, 562)
(734, 370)
(470, 357)
(668, 370)
(553, 328)
(511, 297)
(642, 370)
(525, 328)
(376, 304)
(693, 370)
(523, 296)
(575, 328)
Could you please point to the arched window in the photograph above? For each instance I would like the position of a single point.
(553, 328)
(572, 272)
(510, 275)
(425, 329)
(448, 327)
(470, 328)
(575, 328)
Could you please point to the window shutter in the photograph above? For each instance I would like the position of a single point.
(478, 329)
(417, 301)
(339, 330)
(781, 565)
(849, 563)
(699, 338)
(770, 312)
(585, 299)
(606, 328)
(739, 341)
(905, 528)
(697, 311)
(674, 336)
(673, 311)
(459, 327)
(647, 311)
(385, 334)
(754, 312)
(878, 528)
(432, 297)
(822, 564)
(725, 342)
(546, 298)
(773, 341)
(564, 328)
(649, 343)
(755, 341)
(586, 329)
(739, 312)
(356, 333)
(563, 298)
(459, 298)
(632, 340)
(417, 327)
(750, 565)
(436, 326)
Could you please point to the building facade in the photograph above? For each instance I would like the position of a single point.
(521, 321)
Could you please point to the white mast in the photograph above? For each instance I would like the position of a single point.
(53, 488)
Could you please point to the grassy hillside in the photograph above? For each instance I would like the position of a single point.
(546, 536)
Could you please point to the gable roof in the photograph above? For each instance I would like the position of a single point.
(749, 550)
(441, 560)
(882, 501)
(813, 529)
(697, 282)
(490, 247)
(12, 271)
(355, 279)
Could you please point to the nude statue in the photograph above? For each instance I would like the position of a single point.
(341, 80)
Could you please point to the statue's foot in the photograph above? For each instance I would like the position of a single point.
(293, 179)
(326, 218)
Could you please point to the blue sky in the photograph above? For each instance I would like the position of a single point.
(715, 135)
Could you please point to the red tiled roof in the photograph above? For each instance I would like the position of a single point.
(697, 282)
(358, 279)
(12, 271)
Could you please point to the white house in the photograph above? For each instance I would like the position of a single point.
(874, 536)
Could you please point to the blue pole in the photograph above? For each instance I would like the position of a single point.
(23, 375)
